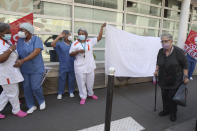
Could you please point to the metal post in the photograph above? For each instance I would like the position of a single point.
(155, 106)
(109, 99)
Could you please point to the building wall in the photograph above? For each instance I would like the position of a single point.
(141, 17)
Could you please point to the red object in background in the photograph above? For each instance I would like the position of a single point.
(191, 44)
(14, 26)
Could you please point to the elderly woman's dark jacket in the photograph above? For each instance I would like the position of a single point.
(171, 68)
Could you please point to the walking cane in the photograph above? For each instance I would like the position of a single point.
(156, 83)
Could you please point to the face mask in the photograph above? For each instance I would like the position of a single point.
(81, 37)
(70, 38)
(166, 45)
(21, 34)
(7, 36)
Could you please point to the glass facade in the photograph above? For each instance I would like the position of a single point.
(141, 17)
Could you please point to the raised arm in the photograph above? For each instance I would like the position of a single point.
(101, 32)
(53, 44)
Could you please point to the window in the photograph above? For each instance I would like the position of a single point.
(98, 15)
(171, 25)
(114, 4)
(51, 25)
(143, 9)
(142, 21)
(53, 9)
(156, 2)
(24, 6)
(142, 31)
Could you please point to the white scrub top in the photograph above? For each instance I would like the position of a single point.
(84, 63)
(8, 73)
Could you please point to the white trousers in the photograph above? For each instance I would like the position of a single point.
(10, 94)
(85, 80)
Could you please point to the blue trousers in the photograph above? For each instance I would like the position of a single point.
(33, 88)
(191, 65)
(63, 76)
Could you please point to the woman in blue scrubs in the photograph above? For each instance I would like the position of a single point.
(29, 48)
(66, 67)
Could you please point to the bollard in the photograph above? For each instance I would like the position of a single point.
(109, 99)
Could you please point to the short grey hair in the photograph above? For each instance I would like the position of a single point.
(4, 26)
(169, 36)
(82, 29)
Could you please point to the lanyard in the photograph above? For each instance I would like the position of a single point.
(84, 46)
(6, 42)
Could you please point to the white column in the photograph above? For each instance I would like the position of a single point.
(183, 25)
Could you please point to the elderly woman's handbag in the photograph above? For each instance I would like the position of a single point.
(181, 95)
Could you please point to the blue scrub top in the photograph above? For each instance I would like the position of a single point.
(36, 65)
(66, 61)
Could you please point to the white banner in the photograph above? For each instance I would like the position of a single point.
(131, 55)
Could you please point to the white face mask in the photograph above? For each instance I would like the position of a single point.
(70, 38)
(21, 34)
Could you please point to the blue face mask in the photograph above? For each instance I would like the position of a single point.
(82, 37)
(7, 36)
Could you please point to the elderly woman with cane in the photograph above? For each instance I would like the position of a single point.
(171, 69)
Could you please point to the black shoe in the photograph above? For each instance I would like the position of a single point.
(163, 113)
(173, 117)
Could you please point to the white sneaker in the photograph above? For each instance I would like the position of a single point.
(59, 96)
(42, 106)
(72, 95)
(32, 109)
(191, 78)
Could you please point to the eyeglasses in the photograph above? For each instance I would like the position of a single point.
(165, 41)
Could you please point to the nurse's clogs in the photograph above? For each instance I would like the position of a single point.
(94, 97)
(21, 114)
(83, 101)
(2, 116)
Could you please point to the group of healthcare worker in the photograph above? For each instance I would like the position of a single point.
(76, 62)
(26, 55)
(23, 62)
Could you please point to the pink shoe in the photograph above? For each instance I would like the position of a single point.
(21, 114)
(94, 97)
(83, 101)
(2, 116)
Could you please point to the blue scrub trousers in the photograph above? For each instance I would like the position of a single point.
(63, 76)
(33, 88)
(191, 65)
